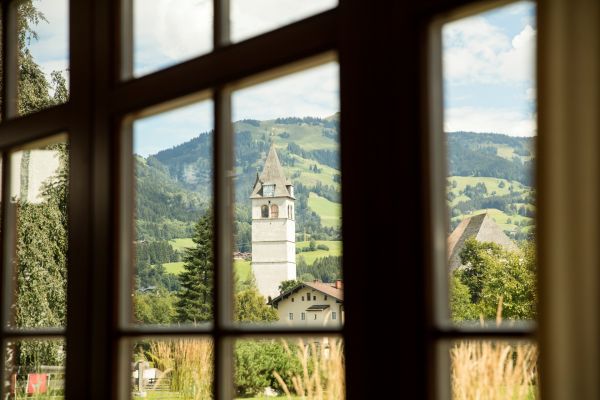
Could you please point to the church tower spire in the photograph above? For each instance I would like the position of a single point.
(273, 227)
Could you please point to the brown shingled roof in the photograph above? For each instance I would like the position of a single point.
(325, 288)
(483, 228)
(272, 174)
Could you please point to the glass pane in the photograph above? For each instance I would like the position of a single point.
(494, 370)
(490, 130)
(167, 32)
(173, 255)
(253, 17)
(43, 34)
(37, 213)
(287, 222)
(34, 368)
(312, 368)
(172, 369)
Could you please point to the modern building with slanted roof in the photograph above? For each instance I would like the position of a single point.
(311, 304)
(481, 227)
(273, 227)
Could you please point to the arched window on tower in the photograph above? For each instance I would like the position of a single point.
(264, 211)
(274, 211)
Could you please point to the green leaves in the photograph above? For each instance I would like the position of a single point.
(490, 273)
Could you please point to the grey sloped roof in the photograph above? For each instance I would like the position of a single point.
(272, 174)
(483, 228)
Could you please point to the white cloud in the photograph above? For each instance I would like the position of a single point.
(168, 31)
(476, 51)
(252, 17)
(531, 94)
(313, 92)
(495, 120)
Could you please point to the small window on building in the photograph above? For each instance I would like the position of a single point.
(264, 211)
(303, 316)
(333, 315)
(315, 316)
(292, 299)
(315, 298)
(269, 190)
(302, 298)
(291, 316)
(325, 297)
(274, 211)
(308, 296)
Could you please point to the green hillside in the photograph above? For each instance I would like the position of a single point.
(335, 249)
(330, 212)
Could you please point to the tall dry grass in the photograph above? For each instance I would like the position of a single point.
(188, 363)
(494, 370)
(323, 376)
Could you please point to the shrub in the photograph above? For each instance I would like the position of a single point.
(322, 247)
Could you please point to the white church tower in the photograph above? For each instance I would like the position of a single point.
(273, 227)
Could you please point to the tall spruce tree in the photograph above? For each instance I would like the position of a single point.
(195, 297)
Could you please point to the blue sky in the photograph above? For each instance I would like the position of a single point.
(489, 64)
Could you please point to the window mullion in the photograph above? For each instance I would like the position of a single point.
(221, 26)
(223, 280)
(9, 60)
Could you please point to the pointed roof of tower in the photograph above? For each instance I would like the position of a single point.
(272, 174)
(481, 227)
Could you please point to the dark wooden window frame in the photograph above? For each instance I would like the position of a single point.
(385, 52)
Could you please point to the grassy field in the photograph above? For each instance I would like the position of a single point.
(335, 249)
(174, 267)
(330, 212)
(501, 219)
(181, 244)
(242, 268)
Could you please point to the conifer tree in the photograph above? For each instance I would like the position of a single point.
(195, 297)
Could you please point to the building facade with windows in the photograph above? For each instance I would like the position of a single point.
(311, 304)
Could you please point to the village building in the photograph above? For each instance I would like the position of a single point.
(311, 304)
(273, 228)
(481, 227)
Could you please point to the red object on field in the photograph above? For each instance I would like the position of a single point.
(37, 383)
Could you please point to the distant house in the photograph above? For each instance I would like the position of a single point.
(481, 227)
(311, 304)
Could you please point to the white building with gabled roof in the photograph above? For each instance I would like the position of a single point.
(311, 304)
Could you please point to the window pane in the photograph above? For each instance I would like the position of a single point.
(296, 367)
(287, 222)
(494, 370)
(167, 32)
(253, 17)
(173, 255)
(171, 369)
(34, 368)
(37, 216)
(490, 130)
(43, 35)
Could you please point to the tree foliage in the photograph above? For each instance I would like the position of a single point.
(195, 297)
(255, 362)
(155, 307)
(489, 274)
